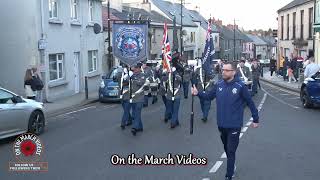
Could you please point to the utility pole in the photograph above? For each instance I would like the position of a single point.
(234, 40)
(181, 37)
(109, 38)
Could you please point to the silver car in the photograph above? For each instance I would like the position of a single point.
(19, 115)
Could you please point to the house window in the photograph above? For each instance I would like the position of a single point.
(294, 26)
(281, 27)
(91, 10)
(74, 9)
(56, 66)
(53, 9)
(288, 20)
(301, 24)
(154, 35)
(310, 22)
(92, 61)
(193, 37)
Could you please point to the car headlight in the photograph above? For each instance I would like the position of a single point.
(102, 85)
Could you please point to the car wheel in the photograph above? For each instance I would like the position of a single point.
(36, 123)
(305, 99)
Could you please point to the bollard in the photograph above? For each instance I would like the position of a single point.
(86, 86)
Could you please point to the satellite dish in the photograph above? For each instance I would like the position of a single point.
(96, 28)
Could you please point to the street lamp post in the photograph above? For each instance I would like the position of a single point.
(181, 38)
(109, 38)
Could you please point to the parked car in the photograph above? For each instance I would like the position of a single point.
(265, 62)
(310, 91)
(109, 90)
(19, 115)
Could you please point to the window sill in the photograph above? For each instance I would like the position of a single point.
(75, 23)
(55, 21)
(90, 24)
(57, 83)
(93, 74)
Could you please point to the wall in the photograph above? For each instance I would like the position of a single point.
(20, 27)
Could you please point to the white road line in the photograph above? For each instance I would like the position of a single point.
(80, 110)
(294, 98)
(241, 134)
(215, 168)
(249, 123)
(285, 94)
(224, 155)
(280, 100)
(244, 129)
(206, 179)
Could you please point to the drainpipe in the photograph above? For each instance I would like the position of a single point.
(43, 71)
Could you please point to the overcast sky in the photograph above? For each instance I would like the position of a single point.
(249, 14)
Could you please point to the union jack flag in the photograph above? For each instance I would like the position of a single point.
(166, 50)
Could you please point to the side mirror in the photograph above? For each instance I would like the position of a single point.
(17, 99)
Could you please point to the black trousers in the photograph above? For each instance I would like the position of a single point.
(230, 140)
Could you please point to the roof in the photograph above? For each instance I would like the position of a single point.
(256, 40)
(269, 40)
(294, 4)
(171, 10)
(153, 15)
(196, 16)
(105, 17)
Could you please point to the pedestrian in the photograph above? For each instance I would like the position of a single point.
(281, 65)
(272, 66)
(218, 69)
(29, 84)
(137, 84)
(230, 94)
(123, 78)
(285, 69)
(38, 84)
(173, 95)
(291, 68)
(255, 77)
(186, 80)
(311, 68)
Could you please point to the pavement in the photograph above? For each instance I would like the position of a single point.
(278, 80)
(65, 104)
(79, 144)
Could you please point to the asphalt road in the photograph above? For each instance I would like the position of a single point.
(79, 144)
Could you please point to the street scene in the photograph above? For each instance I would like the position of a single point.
(159, 89)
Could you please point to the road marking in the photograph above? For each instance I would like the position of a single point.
(244, 129)
(285, 94)
(90, 107)
(294, 98)
(241, 134)
(249, 123)
(206, 179)
(224, 155)
(280, 100)
(215, 168)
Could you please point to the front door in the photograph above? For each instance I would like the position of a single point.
(76, 72)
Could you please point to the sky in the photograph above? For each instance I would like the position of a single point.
(249, 14)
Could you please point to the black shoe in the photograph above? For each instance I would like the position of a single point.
(228, 178)
(145, 105)
(172, 126)
(134, 132)
(123, 127)
(166, 120)
(204, 120)
(139, 130)
(186, 97)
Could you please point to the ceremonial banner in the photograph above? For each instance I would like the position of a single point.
(130, 42)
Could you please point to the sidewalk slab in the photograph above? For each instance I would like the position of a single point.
(278, 81)
(70, 102)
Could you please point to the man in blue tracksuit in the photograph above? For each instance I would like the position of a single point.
(231, 95)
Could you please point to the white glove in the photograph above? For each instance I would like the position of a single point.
(130, 73)
(173, 69)
(125, 71)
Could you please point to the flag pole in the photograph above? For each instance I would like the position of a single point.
(192, 109)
